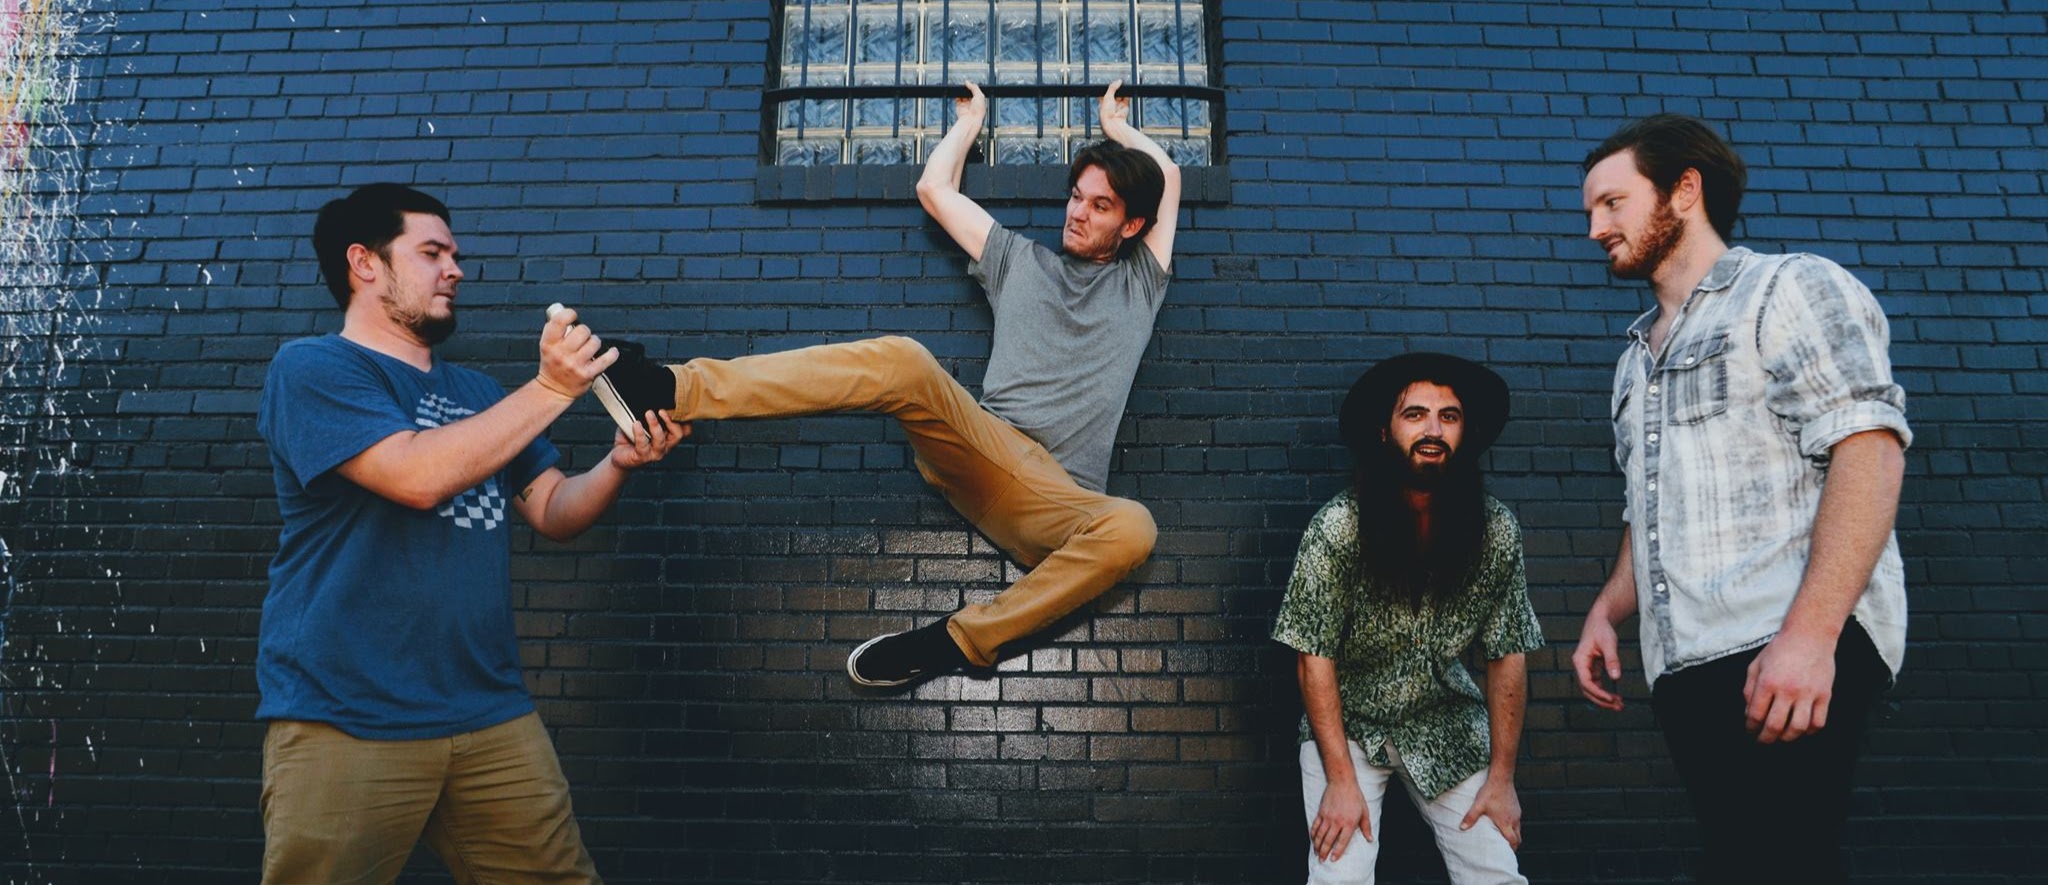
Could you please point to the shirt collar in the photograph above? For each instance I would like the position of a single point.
(1722, 274)
(1719, 277)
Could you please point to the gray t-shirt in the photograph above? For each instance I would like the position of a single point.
(1068, 337)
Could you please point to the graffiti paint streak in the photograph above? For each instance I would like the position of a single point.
(41, 330)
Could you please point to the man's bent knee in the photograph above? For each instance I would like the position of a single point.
(906, 353)
(1130, 532)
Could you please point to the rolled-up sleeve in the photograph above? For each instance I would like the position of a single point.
(1825, 345)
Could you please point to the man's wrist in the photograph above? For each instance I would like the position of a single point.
(1811, 630)
(1602, 612)
(555, 388)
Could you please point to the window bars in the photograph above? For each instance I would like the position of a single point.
(872, 82)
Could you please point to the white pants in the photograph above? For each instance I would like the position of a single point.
(1478, 856)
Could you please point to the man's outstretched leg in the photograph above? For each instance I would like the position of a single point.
(1078, 543)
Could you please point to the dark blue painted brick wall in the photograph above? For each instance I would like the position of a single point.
(1404, 176)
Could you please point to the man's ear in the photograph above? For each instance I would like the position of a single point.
(1687, 192)
(363, 263)
(1132, 226)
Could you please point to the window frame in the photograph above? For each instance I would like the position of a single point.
(1023, 182)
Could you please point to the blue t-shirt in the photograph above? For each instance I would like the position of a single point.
(386, 622)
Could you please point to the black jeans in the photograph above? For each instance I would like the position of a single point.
(1769, 812)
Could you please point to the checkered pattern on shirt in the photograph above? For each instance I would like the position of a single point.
(481, 507)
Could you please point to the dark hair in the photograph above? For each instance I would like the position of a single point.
(1132, 173)
(1397, 565)
(372, 215)
(1665, 145)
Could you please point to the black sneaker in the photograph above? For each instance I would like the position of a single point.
(894, 659)
(634, 386)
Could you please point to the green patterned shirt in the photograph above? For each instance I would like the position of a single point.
(1399, 673)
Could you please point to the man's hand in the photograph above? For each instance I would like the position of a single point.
(1789, 686)
(1497, 800)
(1115, 112)
(971, 111)
(569, 358)
(661, 437)
(1343, 811)
(1598, 658)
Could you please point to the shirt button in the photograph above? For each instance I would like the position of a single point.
(1660, 586)
(1653, 536)
(1653, 388)
(1691, 359)
(1653, 437)
(1653, 485)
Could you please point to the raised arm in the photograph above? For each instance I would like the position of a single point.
(1116, 123)
(939, 189)
(420, 469)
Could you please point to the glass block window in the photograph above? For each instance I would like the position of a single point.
(871, 82)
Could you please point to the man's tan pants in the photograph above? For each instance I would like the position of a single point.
(492, 803)
(1077, 543)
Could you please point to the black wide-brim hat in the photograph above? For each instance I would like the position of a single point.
(1369, 405)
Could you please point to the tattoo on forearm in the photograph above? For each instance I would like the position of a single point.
(526, 493)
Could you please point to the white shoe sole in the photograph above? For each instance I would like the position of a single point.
(616, 405)
(874, 683)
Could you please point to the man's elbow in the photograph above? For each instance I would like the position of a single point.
(415, 497)
(929, 193)
(1892, 457)
(408, 491)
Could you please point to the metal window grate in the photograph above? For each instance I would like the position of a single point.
(871, 82)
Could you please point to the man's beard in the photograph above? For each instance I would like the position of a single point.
(1659, 239)
(1421, 476)
(430, 330)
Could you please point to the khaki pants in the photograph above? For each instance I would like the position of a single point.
(492, 803)
(1077, 543)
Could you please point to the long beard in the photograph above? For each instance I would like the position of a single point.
(1405, 565)
(430, 330)
(1421, 476)
(1660, 238)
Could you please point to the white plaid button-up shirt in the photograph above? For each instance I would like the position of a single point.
(1724, 441)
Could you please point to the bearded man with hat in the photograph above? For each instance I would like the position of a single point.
(1396, 578)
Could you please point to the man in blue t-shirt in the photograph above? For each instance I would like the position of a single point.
(387, 662)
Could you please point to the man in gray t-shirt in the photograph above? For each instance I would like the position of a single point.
(1029, 463)
(1068, 336)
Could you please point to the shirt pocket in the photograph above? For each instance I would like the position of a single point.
(1617, 412)
(1696, 380)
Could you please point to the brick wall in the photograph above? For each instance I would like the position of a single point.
(1404, 176)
